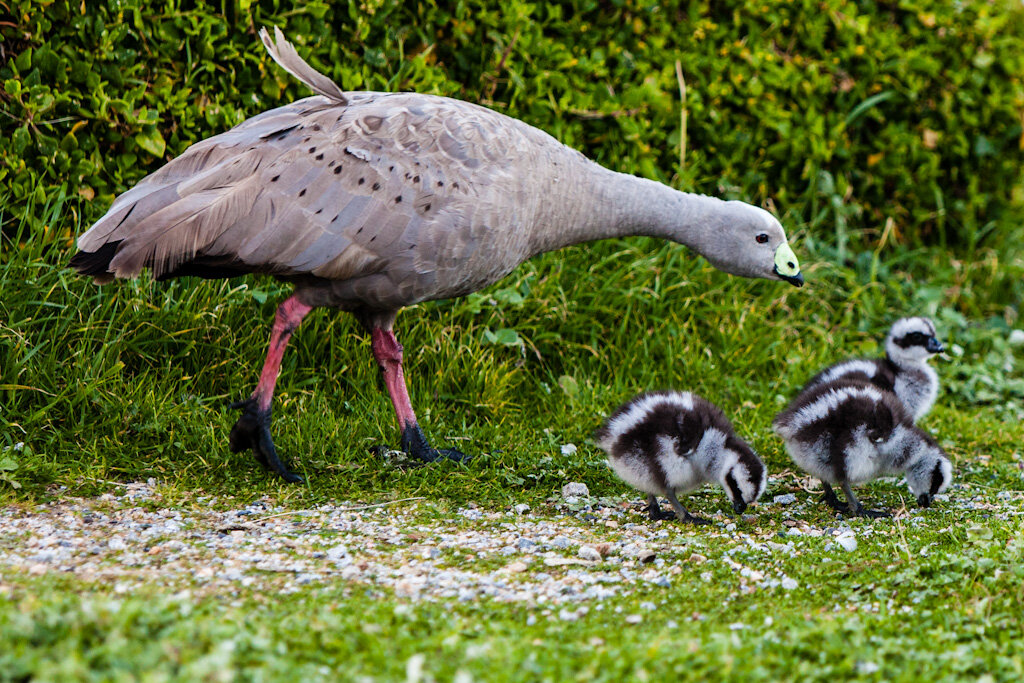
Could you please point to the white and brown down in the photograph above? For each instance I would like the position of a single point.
(669, 442)
(368, 202)
(847, 432)
(904, 370)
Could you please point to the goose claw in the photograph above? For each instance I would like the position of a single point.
(252, 432)
(414, 442)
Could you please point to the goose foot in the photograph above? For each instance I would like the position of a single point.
(833, 501)
(414, 442)
(856, 508)
(861, 511)
(655, 513)
(252, 431)
(681, 513)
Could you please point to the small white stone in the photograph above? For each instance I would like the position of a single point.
(784, 499)
(847, 540)
(589, 553)
(568, 448)
(1016, 339)
(414, 666)
(116, 544)
(575, 489)
(866, 668)
(337, 552)
(789, 584)
(634, 618)
(521, 509)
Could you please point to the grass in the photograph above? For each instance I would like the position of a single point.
(130, 381)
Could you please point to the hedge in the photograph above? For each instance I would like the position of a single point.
(845, 116)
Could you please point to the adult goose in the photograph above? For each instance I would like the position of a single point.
(370, 201)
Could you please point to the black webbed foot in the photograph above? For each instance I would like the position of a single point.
(833, 501)
(414, 442)
(656, 514)
(252, 431)
(861, 511)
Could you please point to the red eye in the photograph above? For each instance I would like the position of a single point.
(762, 238)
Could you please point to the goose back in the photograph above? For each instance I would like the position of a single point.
(386, 200)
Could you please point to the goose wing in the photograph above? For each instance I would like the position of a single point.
(335, 186)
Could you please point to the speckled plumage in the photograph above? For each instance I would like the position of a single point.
(371, 201)
(666, 442)
(846, 432)
(904, 370)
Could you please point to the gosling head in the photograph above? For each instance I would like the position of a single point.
(744, 476)
(746, 240)
(912, 341)
(929, 474)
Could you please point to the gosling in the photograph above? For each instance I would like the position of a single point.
(904, 370)
(849, 432)
(669, 441)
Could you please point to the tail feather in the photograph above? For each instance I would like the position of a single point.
(96, 263)
(284, 54)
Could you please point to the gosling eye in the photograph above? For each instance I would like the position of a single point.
(762, 238)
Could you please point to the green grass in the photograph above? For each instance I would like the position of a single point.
(129, 381)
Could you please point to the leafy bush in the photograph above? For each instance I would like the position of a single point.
(844, 114)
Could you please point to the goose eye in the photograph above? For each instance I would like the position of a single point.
(762, 238)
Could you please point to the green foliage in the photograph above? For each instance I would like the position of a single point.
(844, 114)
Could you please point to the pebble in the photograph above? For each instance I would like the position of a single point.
(337, 552)
(575, 489)
(525, 544)
(568, 449)
(784, 499)
(198, 546)
(521, 509)
(847, 540)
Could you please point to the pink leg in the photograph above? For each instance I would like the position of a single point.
(252, 431)
(289, 314)
(388, 353)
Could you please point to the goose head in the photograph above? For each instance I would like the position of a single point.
(746, 240)
(929, 474)
(744, 477)
(912, 340)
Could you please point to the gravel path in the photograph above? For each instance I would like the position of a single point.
(577, 552)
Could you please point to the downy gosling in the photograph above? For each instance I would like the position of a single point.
(849, 432)
(667, 442)
(904, 370)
